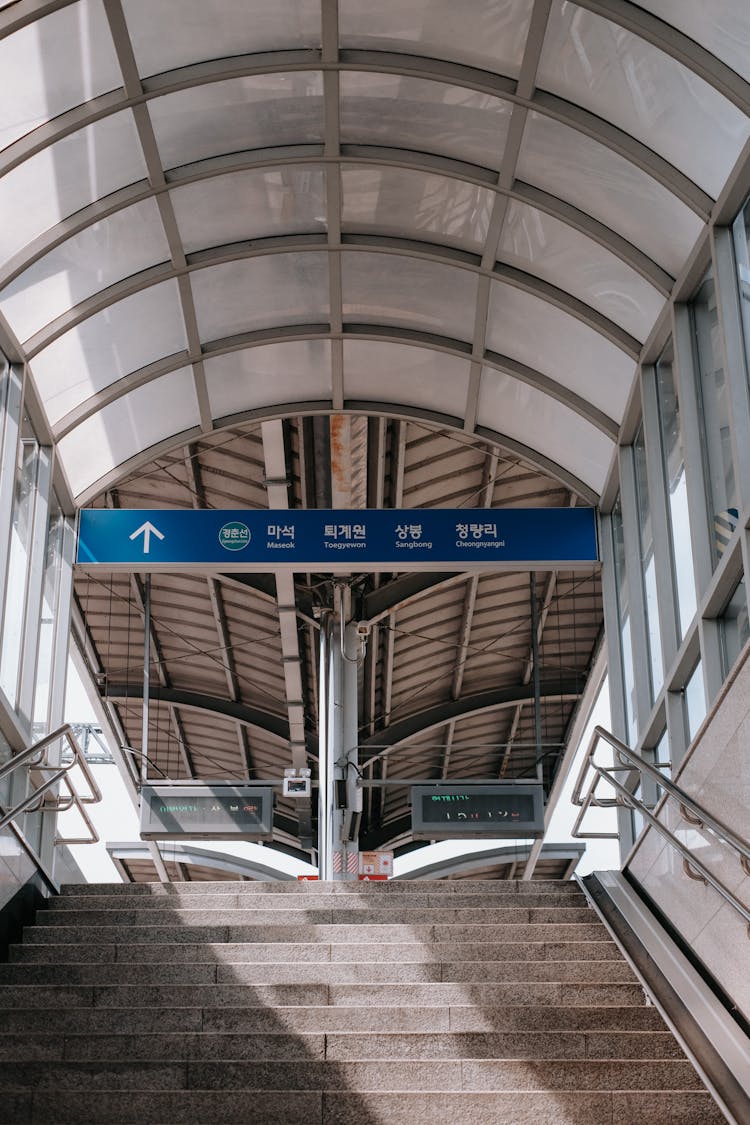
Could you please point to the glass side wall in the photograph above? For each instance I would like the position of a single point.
(648, 564)
(714, 412)
(19, 558)
(676, 484)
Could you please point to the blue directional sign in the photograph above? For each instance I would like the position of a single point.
(372, 539)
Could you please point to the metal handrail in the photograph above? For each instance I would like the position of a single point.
(35, 758)
(692, 812)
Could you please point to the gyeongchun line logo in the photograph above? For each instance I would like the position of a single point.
(234, 536)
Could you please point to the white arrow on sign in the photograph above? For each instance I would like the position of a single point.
(147, 529)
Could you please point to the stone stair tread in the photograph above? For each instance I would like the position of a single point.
(314, 972)
(281, 1107)
(380, 932)
(318, 1019)
(244, 952)
(414, 1074)
(344, 1046)
(402, 1002)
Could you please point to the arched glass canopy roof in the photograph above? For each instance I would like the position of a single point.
(477, 216)
(463, 217)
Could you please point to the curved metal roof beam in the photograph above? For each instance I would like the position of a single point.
(627, 14)
(367, 156)
(301, 244)
(393, 334)
(415, 66)
(267, 722)
(386, 410)
(421, 723)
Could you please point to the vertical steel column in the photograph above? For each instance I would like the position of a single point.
(537, 681)
(325, 756)
(146, 676)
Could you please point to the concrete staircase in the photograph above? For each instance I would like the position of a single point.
(258, 1003)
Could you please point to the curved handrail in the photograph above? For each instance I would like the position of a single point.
(700, 816)
(35, 758)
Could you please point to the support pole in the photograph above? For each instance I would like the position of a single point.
(325, 760)
(537, 680)
(146, 676)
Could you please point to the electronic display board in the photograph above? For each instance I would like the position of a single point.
(443, 811)
(215, 812)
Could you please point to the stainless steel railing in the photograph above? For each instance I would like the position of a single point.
(692, 811)
(44, 776)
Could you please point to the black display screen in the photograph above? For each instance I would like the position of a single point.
(486, 808)
(501, 808)
(217, 811)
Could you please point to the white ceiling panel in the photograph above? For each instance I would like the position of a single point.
(53, 64)
(120, 339)
(262, 111)
(493, 39)
(426, 116)
(291, 371)
(544, 246)
(255, 293)
(521, 412)
(119, 246)
(408, 292)
(380, 371)
(254, 204)
(58, 181)
(643, 91)
(593, 178)
(127, 426)
(405, 204)
(174, 33)
(555, 343)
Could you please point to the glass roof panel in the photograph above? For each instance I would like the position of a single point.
(543, 337)
(128, 425)
(53, 64)
(380, 371)
(523, 413)
(408, 292)
(291, 371)
(723, 26)
(61, 179)
(252, 204)
(261, 292)
(123, 244)
(640, 89)
(593, 178)
(403, 203)
(122, 338)
(175, 33)
(493, 38)
(542, 245)
(426, 116)
(262, 111)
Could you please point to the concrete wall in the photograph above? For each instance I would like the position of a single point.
(716, 773)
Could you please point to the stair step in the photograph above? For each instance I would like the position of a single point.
(318, 1019)
(380, 891)
(320, 972)
(497, 916)
(231, 952)
(367, 932)
(344, 1047)
(323, 1003)
(321, 901)
(247, 995)
(444, 1074)
(281, 1107)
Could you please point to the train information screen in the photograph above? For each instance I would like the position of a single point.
(499, 809)
(215, 812)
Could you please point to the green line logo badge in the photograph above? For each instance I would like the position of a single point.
(234, 536)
